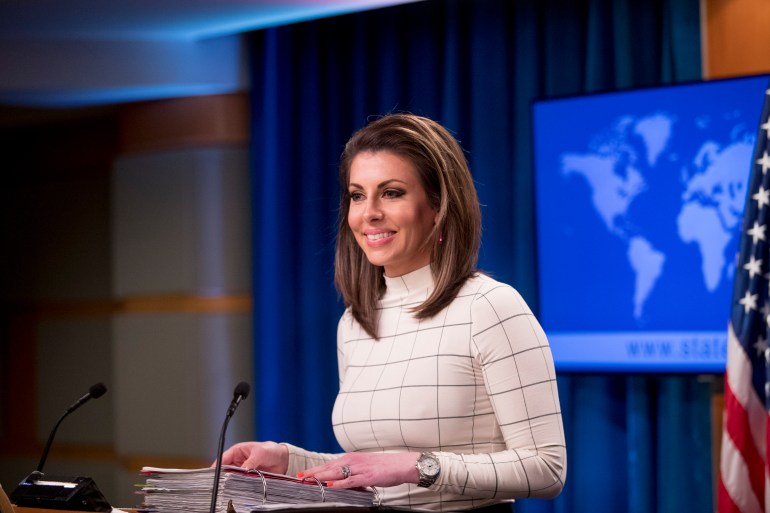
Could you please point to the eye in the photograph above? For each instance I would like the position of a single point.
(355, 196)
(392, 193)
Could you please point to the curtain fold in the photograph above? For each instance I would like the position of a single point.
(635, 442)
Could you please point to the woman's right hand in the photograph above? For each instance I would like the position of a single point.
(267, 456)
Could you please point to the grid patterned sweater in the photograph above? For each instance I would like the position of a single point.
(475, 384)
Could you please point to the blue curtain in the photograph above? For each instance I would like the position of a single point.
(636, 443)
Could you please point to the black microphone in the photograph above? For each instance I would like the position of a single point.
(241, 392)
(95, 392)
(70, 493)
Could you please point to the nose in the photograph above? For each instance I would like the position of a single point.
(372, 211)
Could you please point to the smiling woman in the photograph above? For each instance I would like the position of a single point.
(448, 398)
(390, 215)
(438, 163)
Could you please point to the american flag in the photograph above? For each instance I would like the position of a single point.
(744, 482)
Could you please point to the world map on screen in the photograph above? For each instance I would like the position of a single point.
(639, 207)
(711, 196)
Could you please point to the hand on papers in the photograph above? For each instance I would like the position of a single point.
(267, 456)
(367, 469)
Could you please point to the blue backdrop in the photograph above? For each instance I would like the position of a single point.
(635, 443)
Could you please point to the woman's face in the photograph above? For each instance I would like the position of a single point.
(389, 214)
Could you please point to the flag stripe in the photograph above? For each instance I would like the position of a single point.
(725, 503)
(737, 428)
(738, 368)
(767, 470)
(734, 475)
(767, 490)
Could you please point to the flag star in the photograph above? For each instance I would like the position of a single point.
(753, 266)
(766, 127)
(760, 346)
(762, 196)
(757, 232)
(767, 355)
(764, 162)
(749, 302)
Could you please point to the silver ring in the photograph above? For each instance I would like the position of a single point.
(345, 472)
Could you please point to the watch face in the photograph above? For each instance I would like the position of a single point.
(429, 466)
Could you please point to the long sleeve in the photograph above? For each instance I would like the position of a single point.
(518, 372)
(301, 459)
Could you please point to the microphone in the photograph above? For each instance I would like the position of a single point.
(76, 493)
(241, 392)
(95, 392)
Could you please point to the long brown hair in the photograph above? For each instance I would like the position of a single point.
(444, 174)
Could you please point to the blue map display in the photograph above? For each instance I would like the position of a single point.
(640, 200)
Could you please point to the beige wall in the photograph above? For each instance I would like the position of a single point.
(131, 266)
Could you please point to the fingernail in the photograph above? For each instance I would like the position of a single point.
(300, 475)
(329, 483)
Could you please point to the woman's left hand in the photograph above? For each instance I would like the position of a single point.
(367, 469)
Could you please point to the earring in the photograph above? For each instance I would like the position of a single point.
(440, 238)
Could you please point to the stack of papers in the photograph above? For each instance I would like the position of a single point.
(189, 490)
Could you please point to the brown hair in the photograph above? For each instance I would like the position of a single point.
(444, 174)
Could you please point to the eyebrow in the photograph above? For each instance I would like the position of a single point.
(380, 185)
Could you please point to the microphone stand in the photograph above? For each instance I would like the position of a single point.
(96, 391)
(39, 471)
(241, 392)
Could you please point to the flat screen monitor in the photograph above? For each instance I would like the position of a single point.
(639, 203)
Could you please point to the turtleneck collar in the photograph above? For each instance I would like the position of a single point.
(419, 279)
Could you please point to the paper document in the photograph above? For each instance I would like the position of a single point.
(168, 490)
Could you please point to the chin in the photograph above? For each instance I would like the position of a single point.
(377, 263)
(376, 260)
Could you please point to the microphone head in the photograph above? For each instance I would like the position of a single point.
(242, 389)
(97, 390)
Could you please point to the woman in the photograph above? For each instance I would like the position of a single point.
(448, 396)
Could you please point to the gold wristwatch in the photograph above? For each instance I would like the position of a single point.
(429, 469)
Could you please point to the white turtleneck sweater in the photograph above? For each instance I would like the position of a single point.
(474, 384)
